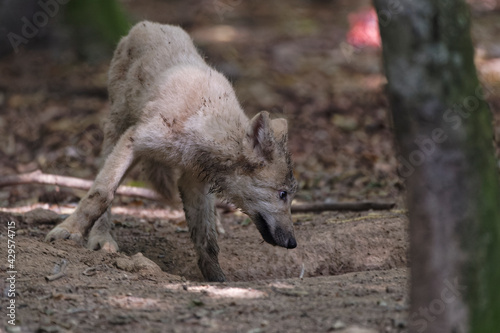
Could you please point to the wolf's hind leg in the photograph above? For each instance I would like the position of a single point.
(100, 195)
(199, 206)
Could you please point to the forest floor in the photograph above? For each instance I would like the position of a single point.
(349, 271)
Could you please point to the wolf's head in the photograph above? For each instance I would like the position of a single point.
(264, 185)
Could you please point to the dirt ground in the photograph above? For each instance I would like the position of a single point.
(349, 271)
(353, 270)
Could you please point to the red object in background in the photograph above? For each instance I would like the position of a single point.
(363, 31)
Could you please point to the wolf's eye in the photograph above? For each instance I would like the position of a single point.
(283, 195)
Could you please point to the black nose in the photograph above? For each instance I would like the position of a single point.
(292, 244)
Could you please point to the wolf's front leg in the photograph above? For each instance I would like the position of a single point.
(100, 235)
(199, 206)
(99, 197)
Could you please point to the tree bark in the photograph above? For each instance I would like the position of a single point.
(444, 132)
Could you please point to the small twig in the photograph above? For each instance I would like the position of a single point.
(337, 206)
(90, 271)
(60, 274)
(93, 270)
(37, 177)
(42, 298)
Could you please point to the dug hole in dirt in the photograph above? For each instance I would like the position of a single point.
(347, 274)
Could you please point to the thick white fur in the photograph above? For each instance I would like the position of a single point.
(181, 119)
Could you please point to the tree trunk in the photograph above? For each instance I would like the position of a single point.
(444, 132)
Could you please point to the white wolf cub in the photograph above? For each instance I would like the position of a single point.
(181, 119)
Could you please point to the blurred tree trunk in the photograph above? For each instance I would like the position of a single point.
(444, 132)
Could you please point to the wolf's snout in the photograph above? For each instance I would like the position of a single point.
(284, 238)
(279, 237)
(292, 243)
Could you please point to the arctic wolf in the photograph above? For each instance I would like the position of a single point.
(181, 119)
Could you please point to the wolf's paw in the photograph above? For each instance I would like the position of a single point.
(102, 242)
(216, 277)
(211, 270)
(62, 232)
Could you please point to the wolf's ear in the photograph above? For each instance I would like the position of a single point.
(260, 135)
(280, 129)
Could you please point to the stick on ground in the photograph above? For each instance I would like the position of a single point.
(38, 177)
(337, 206)
(60, 274)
